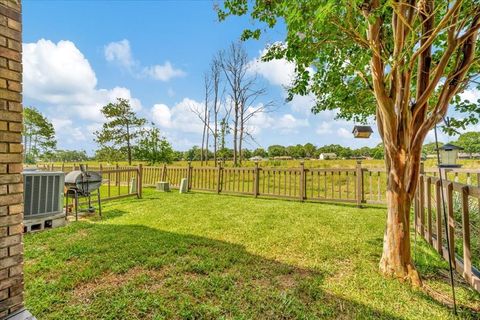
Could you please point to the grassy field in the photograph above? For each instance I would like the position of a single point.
(202, 256)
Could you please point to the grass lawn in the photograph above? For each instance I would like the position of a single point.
(203, 256)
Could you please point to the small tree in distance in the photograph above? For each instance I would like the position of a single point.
(38, 135)
(153, 148)
(122, 127)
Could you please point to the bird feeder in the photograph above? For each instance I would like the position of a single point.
(449, 156)
(362, 132)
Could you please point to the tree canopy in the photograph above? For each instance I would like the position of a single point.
(38, 135)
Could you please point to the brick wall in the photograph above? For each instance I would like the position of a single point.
(11, 189)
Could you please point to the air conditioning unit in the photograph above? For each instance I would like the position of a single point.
(43, 200)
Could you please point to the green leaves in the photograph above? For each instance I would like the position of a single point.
(121, 128)
(38, 134)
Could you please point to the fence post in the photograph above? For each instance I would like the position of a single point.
(100, 167)
(117, 176)
(302, 181)
(360, 195)
(164, 172)
(63, 166)
(451, 222)
(256, 182)
(139, 181)
(189, 176)
(439, 211)
(467, 253)
(421, 200)
(219, 177)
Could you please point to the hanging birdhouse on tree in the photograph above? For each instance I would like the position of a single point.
(449, 156)
(362, 132)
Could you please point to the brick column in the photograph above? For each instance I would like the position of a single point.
(11, 187)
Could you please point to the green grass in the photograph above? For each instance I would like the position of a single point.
(203, 256)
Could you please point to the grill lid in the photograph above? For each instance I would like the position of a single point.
(83, 181)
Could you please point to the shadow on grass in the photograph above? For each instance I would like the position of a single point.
(135, 272)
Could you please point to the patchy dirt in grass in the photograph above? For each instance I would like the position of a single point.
(111, 280)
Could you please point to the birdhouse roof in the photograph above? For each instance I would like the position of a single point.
(449, 147)
(362, 129)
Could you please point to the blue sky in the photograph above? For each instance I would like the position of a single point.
(80, 55)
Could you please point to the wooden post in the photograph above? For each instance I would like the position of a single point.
(189, 176)
(219, 177)
(302, 181)
(139, 181)
(360, 195)
(429, 209)
(256, 181)
(421, 201)
(117, 176)
(164, 172)
(439, 209)
(100, 167)
(451, 222)
(467, 253)
(63, 166)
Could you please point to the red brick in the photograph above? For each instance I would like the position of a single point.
(15, 25)
(15, 250)
(13, 65)
(3, 124)
(10, 75)
(16, 270)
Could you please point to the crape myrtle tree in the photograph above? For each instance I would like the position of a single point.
(122, 127)
(403, 62)
(153, 147)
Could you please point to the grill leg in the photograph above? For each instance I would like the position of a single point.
(99, 204)
(66, 205)
(76, 206)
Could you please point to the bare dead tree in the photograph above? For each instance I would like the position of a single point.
(243, 91)
(215, 75)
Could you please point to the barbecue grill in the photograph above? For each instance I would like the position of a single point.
(83, 183)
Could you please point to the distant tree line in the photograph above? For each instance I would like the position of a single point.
(127, 137)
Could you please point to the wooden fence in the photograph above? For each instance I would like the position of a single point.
(359, 185)
(463, 215)
(117, 181)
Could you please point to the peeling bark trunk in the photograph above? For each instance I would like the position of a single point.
(396, 259)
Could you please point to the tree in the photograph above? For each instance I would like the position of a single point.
(38, 135)
(430, 148)
(276, 151)
(69, 156)
(122, 127)
(470, 142)
(260, 152)
(153, 148)
(402, 61)
(243, 91)
(110, 154)
(309, 150)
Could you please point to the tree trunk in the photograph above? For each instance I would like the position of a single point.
(396, 259)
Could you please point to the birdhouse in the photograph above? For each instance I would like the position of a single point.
(449, 156)
(362, 132)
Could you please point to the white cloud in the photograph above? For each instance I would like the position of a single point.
(58, 75)
(75, 133)
(120, 52)
(281, 72)
(344, 133)
(324, 128)
(289, 124)
(471, 94)
(164, 72)
(179, 117)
